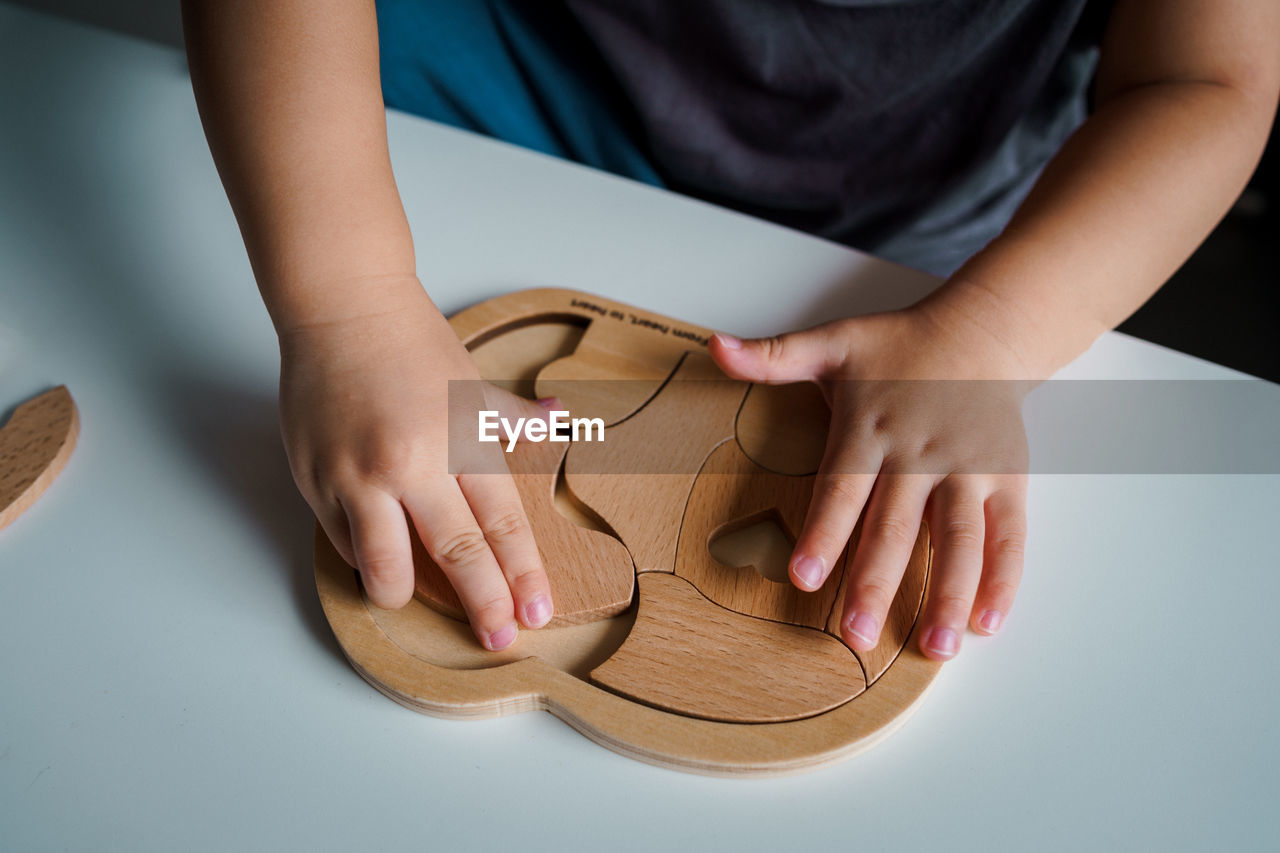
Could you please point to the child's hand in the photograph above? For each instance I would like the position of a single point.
(908, 441)
(364, 410)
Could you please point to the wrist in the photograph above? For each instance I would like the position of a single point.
(304, 307)
(316, 268)
(1018, 341)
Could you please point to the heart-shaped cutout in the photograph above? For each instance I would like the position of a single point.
(760, 542)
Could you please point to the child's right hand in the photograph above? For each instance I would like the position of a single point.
(290, 100)
(364, 412)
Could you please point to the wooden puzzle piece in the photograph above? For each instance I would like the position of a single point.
(601, 358)
(510, 339)
(35, 445)
(732, 492)
(511, 360)
(620, 362)
(688, 655)
(784, 427)
(638, 479)
(903, 612)
(431, 636)
(591, 573)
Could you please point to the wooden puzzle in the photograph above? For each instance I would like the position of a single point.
(35, 445)
(677, 639)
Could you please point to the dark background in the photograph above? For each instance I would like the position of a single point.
(1223, 305)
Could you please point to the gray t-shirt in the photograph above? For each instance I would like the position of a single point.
(908, 128)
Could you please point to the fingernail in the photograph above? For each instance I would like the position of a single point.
(549, 403)
(728, 341)
(990, 621)
(943, 641)
(809, 571)
(537, 612)
(502, 638)
(864, 627)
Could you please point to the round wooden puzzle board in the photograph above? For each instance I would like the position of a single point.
(736, 690)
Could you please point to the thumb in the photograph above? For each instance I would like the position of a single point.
(795, 357)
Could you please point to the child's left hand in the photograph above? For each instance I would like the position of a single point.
(926, 424)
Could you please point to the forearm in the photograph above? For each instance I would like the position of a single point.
(289, 95)
(1186, 94)
(1124, 203)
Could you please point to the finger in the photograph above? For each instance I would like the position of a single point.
(333, 520)
(956, 526)
(796, 357)
(329, 512)
(496, 505)
(512, 406)
(514, 409)
(1006, 519)
(456, 543)
(889, 534)
(840, 492)
(380, 542)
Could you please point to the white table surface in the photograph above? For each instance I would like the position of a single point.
(168, 681)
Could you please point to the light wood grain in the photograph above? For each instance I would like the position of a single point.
(431, 663)
(511, 311)
(511, 338)
(732, 491)
(431, 636)
(784, 427)
(688, 655)
(639, 478)
(903, 612)
(639, 731)
(620, 357)
(590, 572)
(621, 362)
(512, 360)
(35, 445)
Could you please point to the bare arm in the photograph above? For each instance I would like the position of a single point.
(290, 98)
(1186, 94)
(292, 107)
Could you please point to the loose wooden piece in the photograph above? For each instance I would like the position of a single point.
(732, 491)
(693, 657)
(591, 573)
(638, 479)
(34, 448)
